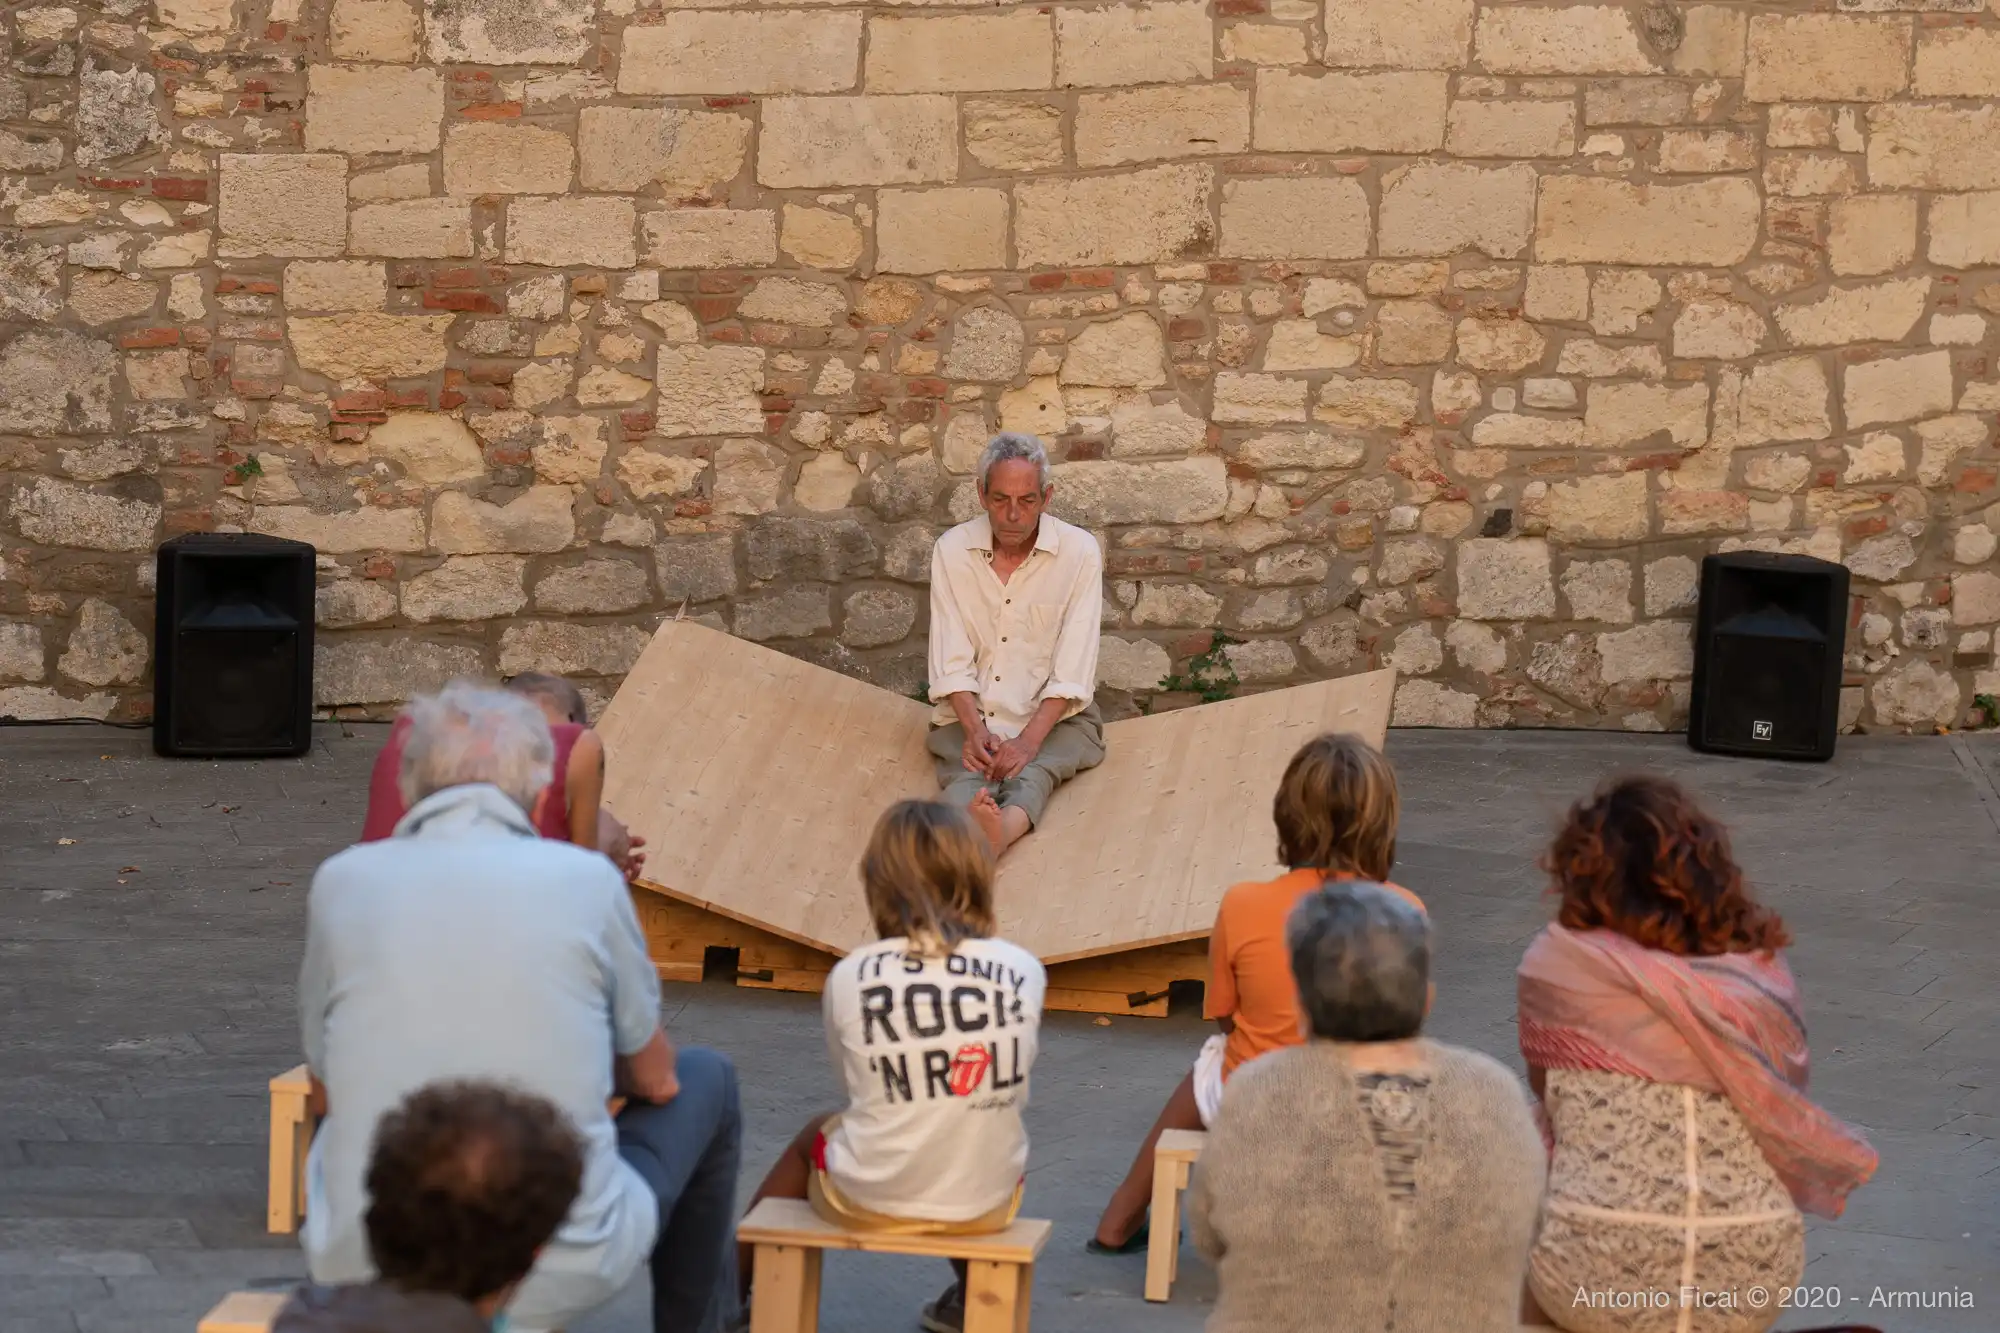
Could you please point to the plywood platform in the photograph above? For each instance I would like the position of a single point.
(756, 778)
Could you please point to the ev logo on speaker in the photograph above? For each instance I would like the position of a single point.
(1760, 731)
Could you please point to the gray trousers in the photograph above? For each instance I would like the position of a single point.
(1073, 744)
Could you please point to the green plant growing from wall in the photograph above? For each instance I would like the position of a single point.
(1209, 675)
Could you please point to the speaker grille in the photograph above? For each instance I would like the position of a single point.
(235, 691)
(1765, 693)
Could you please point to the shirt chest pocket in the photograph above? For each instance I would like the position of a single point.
(1044, 625)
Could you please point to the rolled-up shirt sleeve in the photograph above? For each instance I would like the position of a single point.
(1073, 669)
(953, 668)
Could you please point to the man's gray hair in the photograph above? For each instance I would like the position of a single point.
(1361, 957)
(1009, 445)
(468, 732)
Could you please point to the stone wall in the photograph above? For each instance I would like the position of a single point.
(1431, 333)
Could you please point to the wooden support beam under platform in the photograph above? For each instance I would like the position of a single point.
(679, 935)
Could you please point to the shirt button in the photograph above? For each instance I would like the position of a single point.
(1003, 638)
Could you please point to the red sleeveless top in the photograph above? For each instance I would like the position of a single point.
(385, 797)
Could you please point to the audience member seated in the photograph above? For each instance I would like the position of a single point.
(465, 947)
(568, 810)
(1662, 1031)
(1369, 1180)
(1336, 815)
(935, 1028)
(466, 1184)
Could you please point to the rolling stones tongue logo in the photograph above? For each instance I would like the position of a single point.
(968, 1069)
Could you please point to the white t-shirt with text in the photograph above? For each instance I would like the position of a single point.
(935, 1054)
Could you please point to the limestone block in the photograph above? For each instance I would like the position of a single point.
(695, 569)
(1728, 330)
(1314, 217)
(629, 148)
(1657, 650)
(55, 383)
(986, 345)
(494, 157)
(1579, 39)
(1397, 34)
(382, 30)
(940, 231)
(284, 204)
(412, 180)
(373, 109)
(1409, 558)
(1258, 400)
(711, 237)
(1933, 147)
(559, 232)
(710, 390)
(1131, 664)
(739, 51)
(1134, 43)
(1707, 151)
(1712, 42)
(1147, 124)
(795, 613)
(1505, 579)
(961, 53)
(595, 587)
(1975, 600)
(103, 649)
(1636, 102)
(1877, 233)
(1510, 127)
(1400, 112)
(1879, 457)
(1311, 451)
(1366, 402)
(60, 513)
(651, 475)
(1896, 388)
(1146, 430)
(540, 383)
(812, 305)
(873, 617)
(114, 114)
(1557, 292)
(1128, 352)
(1442, 208)
(1878, 312)
(1013, 136)
(1153, 216)
(1036, 408)
(1097, 493)
(351, 670)
(1426, 703)
(821, 238)
(1580, 219)
(1495, 342)
(1957, 62)
(412, 229)
(1264, 44)
(1183, 604)
(1957, 330)
(749, 477)
(196, 15)
(1620, 299)
(430, 447)
(1826, 58)
(826, 482)
(466, 588)
(1917, 694)
(343, 284)
(1297, 344)
(1610, 508)
(1619, 415)
(1259, 661)
(539, 519)
(1411, 333)
(1964, 228)
(571, 449)
(157, 376)
(1881, 559)
(601, 386)
(97, 299)
(509, 32)
(397, 531)
(367, 343)
(1599, 590)
(1782, 400)
(562, 648)
(810, 142)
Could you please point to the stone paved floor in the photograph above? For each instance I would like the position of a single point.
(150, 931)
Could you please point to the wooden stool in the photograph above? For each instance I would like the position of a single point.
(244, 1311)
(1173, 1162)
(292, 1125)
(790, 1239)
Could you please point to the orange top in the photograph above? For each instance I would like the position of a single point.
(1249, 969)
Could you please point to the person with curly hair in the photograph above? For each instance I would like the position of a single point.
(1662, 1031)
(467, 1182)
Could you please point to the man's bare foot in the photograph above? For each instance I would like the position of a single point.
(986, 813)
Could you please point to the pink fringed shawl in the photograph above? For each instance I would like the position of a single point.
(1727, 1024)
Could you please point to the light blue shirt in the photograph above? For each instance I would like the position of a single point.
(466, 947)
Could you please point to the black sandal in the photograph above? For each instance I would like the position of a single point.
(1134, 1243)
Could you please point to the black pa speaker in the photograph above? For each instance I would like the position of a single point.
(1770, 633)
(233, 650)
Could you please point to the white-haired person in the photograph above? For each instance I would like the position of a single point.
(1369, 1180)
(467, 947)
(1017, 599)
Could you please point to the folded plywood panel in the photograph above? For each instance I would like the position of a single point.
(756, 778)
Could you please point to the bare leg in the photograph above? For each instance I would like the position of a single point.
(1129, 1201)
(985, 812)
(786, 1180)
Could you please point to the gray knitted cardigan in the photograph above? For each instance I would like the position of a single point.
(1289, 1201)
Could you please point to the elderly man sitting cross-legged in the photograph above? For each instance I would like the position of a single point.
(466, 947)
(1017, 596)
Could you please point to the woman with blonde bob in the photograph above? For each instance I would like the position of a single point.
(1336, 812)
(934, 1029)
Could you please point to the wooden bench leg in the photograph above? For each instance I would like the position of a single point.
(1163, 1250)
(785, 1297)
(996, 1297)
(284, 1201)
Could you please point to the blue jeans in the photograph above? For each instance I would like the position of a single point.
(688, 1151)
